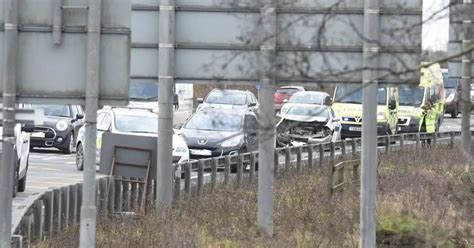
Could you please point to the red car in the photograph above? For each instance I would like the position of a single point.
(284, 93)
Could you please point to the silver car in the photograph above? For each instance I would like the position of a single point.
(308, 124)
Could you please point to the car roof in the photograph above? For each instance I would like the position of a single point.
(231, 91)
(292, 87)
(216, 111)
(130, 111)
(312, 93)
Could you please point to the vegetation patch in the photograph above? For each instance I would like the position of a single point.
(425, 199)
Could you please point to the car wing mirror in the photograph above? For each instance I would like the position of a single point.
(200, 100)
(337, 119)
(252, 104)
(79, 116)
(285, 100)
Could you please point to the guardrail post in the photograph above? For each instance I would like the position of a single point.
(79, 201)
(387, 144)
(252, 166)
(310, 156)
(343, 148)
(417, 143)
(57, 209)
(451, 139)
(402, 141)
(118, 196)
(214, 165)
(435, 139)
(332, 149)
(200, 175)
(187, 178)
(102, 196)
(354, 147)
(48, 213)
(321, 155)
(299, 151)
(276, 162)
(37, 219)
(287, 158)
(177, 182)
(240, 169)
(228, 162)
(65, 206)
(111, 196)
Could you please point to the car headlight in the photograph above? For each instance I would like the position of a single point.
(450, 98)
(181, 149)
(235, 141)
(62, 126)
(381, 116)
(284, 110)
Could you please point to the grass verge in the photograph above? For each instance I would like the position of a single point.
(425, 199)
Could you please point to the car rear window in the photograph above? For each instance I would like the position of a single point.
(287, 91)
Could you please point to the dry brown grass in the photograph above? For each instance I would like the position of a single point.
(424, 200)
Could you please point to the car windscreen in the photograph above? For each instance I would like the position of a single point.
(224, 97)
(54, 110)
(353, 94)
(287, 91)
(136, 123)
(449, 83)
(306, 98)
(411, 96)
(215, 122)
(309, 111)
(144, 91)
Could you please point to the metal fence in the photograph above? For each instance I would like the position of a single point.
(59, 208)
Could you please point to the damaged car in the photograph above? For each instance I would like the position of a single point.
(308, 124)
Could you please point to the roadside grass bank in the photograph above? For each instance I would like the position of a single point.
(425, 199)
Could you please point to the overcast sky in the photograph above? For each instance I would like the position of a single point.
(435, 32)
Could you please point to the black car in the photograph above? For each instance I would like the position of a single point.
(60, 127)
(218, 132)
(452, 89)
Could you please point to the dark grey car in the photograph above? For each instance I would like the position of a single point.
(452, 89)
(60, 127)
(217, 132)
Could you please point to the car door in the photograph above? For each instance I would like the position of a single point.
(103, 126)
(251, 132)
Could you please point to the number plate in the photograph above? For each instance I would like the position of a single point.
(355, 129)
(201, 152)
(37, 135)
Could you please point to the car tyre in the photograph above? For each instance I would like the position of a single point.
(455, 112)
(69, 148)
(22, 182)
(15, 182)
(80, 157)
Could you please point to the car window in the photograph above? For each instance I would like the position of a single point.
(136, 124)
(251, 122)
(306, 98)
(308, 111)
(226, 97)
(287, 91)
(53, 110)
(207, 121)
(105, 123)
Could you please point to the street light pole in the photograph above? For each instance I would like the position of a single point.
(9, 101)
(466, 78)
(89, 209)
(368, 192)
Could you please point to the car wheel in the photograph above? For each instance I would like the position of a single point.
(80, 157)
(15, 182)
(69, 148)
(22, 182)
(455, 112)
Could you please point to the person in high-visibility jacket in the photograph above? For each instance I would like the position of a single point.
(428, 119)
